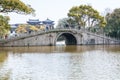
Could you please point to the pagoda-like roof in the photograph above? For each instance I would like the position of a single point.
(33, 21)
(48, 21)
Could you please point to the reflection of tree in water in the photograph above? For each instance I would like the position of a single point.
(33, 49)
(3, 56)
(4, 74)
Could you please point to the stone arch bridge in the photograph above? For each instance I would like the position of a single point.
(72, 37)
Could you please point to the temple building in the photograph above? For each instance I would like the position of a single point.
(34, 22)
(41, 25)
(49, 24)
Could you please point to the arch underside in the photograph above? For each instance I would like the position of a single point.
(70, 39)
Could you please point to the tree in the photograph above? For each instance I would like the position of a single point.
(4, 26)
(62, 23)
(21, 29)
(15, 6)
(113, 24)
(67, 23)
(34, 28)
(86, 16)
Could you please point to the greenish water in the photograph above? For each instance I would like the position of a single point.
(60, 63)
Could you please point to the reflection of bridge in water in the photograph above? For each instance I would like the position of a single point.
(71, 37)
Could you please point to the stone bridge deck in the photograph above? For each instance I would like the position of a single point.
(85, 39)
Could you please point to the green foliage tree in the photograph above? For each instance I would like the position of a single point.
(21, 29)
(62, 23)
(34, 28)
(4, 26)
(113, 24)
(15, 6)
(86, 16)
(67, 23)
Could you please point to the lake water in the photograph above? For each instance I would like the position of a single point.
(60, 63)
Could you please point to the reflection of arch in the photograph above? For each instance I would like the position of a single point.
(72, 48)
(70, 39)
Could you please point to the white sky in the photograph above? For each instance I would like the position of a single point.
(58, 9)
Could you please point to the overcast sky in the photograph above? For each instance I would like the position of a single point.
(58, 9)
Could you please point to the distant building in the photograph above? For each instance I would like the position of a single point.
(34, 22)
(47, 24)
(13, 27)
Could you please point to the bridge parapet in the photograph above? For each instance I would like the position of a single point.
(102, 36)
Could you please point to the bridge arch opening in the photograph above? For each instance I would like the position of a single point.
(66, 39)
